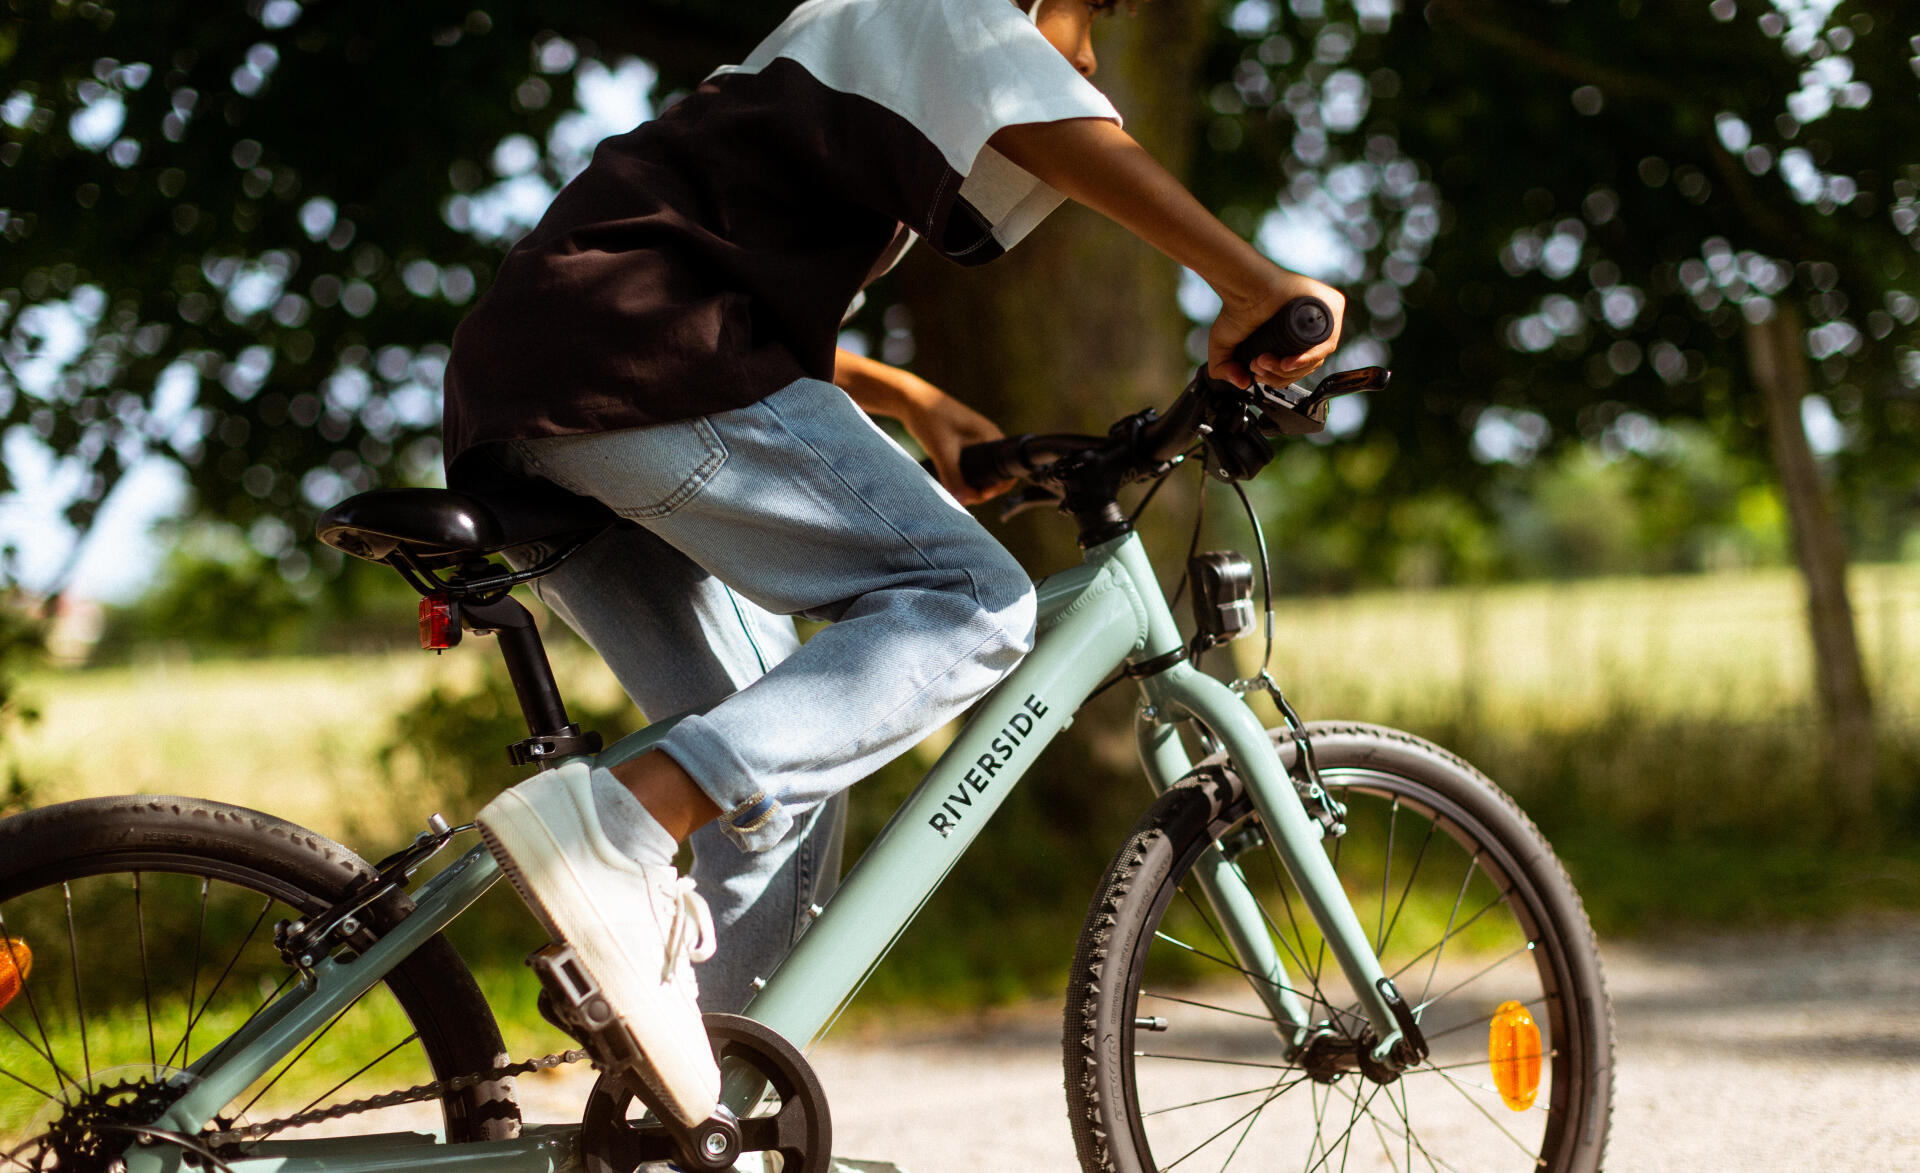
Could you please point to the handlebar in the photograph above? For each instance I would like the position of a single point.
(1299, 326)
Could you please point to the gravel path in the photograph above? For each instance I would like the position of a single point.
(1754, 1052)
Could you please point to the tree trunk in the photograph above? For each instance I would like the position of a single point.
(1074, 328)
(1778, 357)
(1078, 325)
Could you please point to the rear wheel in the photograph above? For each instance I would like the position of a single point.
(143, 929)
(1173, 1061)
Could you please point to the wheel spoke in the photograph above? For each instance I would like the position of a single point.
(46, 1050)
(1215, 1062)
(184, 1048)
(31, 1045)
(1267, 1018)
(73, 961)
(1528, 947)
(1299, 956)
(1313, 997)
(1419, 858)
(1221, 961)
(1440, 946)
(1453, 930)
(43, 1093)
(375, 1062)
(174, 989)
(206, 1060)
(1274, 1093)
(1344, 1141)
(1469, 1064)
(1252, 1091)
(1386, 874)
(1251, 1121)
(1460, 1087)
(1406, 1130)
(219, 981)
(299, 1055)
(146, 980)
(1531, 1004)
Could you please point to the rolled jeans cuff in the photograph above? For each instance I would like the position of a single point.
(750, 816)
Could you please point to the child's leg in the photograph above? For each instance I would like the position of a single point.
(802, 506)
(760, 898)
(678, 639)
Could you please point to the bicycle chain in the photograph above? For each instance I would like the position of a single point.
(415, 1094)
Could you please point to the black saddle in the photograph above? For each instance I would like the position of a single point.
(444, 527)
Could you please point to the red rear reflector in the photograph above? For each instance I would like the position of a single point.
(16, 963)
(439, 622)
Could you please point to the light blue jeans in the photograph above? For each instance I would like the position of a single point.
(796, 505)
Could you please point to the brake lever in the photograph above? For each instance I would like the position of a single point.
(1345, 383)
(1305, 414)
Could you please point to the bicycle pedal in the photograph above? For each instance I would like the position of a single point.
(574, 997)
(571, 1000)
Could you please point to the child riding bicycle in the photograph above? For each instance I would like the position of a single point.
(664, 342)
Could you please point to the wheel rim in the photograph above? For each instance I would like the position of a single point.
(1462, 933)
(151, 963)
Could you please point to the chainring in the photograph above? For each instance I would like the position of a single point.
(797, 1126)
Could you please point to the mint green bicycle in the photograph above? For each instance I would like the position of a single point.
(1322, 946)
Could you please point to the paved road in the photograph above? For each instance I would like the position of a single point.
(1740, 1054)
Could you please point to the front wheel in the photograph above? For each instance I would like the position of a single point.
(1173, 1061)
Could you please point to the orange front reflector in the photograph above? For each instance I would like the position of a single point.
(1513, 1047)
(16, 963)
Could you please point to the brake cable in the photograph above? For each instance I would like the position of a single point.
(1329, 814)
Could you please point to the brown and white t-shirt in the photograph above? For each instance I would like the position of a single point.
(707, 258)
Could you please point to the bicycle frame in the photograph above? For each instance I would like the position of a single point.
(1093, 618)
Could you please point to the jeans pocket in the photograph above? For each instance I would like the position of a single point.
(639, 473)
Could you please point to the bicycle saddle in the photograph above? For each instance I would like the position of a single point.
(438, 525)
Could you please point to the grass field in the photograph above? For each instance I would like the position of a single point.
(300, 737)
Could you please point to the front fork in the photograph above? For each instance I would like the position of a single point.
(1183, 693)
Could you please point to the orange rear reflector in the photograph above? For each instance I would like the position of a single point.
(16, 963)
(1513, 1047)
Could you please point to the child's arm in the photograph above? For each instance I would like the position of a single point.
(1097, 164)
(941, 424)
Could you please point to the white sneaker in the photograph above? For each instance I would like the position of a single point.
(636, 929)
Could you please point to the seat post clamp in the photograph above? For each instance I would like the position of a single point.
(549, 747)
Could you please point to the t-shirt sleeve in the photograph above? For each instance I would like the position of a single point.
(918, 87)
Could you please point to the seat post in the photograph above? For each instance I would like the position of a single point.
(552, 736)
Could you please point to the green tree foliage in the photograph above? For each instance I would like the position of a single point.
(218, 595)
(236, 235)
(1566, 214)
(22, 646)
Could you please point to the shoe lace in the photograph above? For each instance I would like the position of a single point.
(690, 938)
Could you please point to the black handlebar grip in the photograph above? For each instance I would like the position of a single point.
(1301, 325)
(985, 465)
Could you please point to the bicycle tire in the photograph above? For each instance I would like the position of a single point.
(1142, 1091)
(106, 854)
